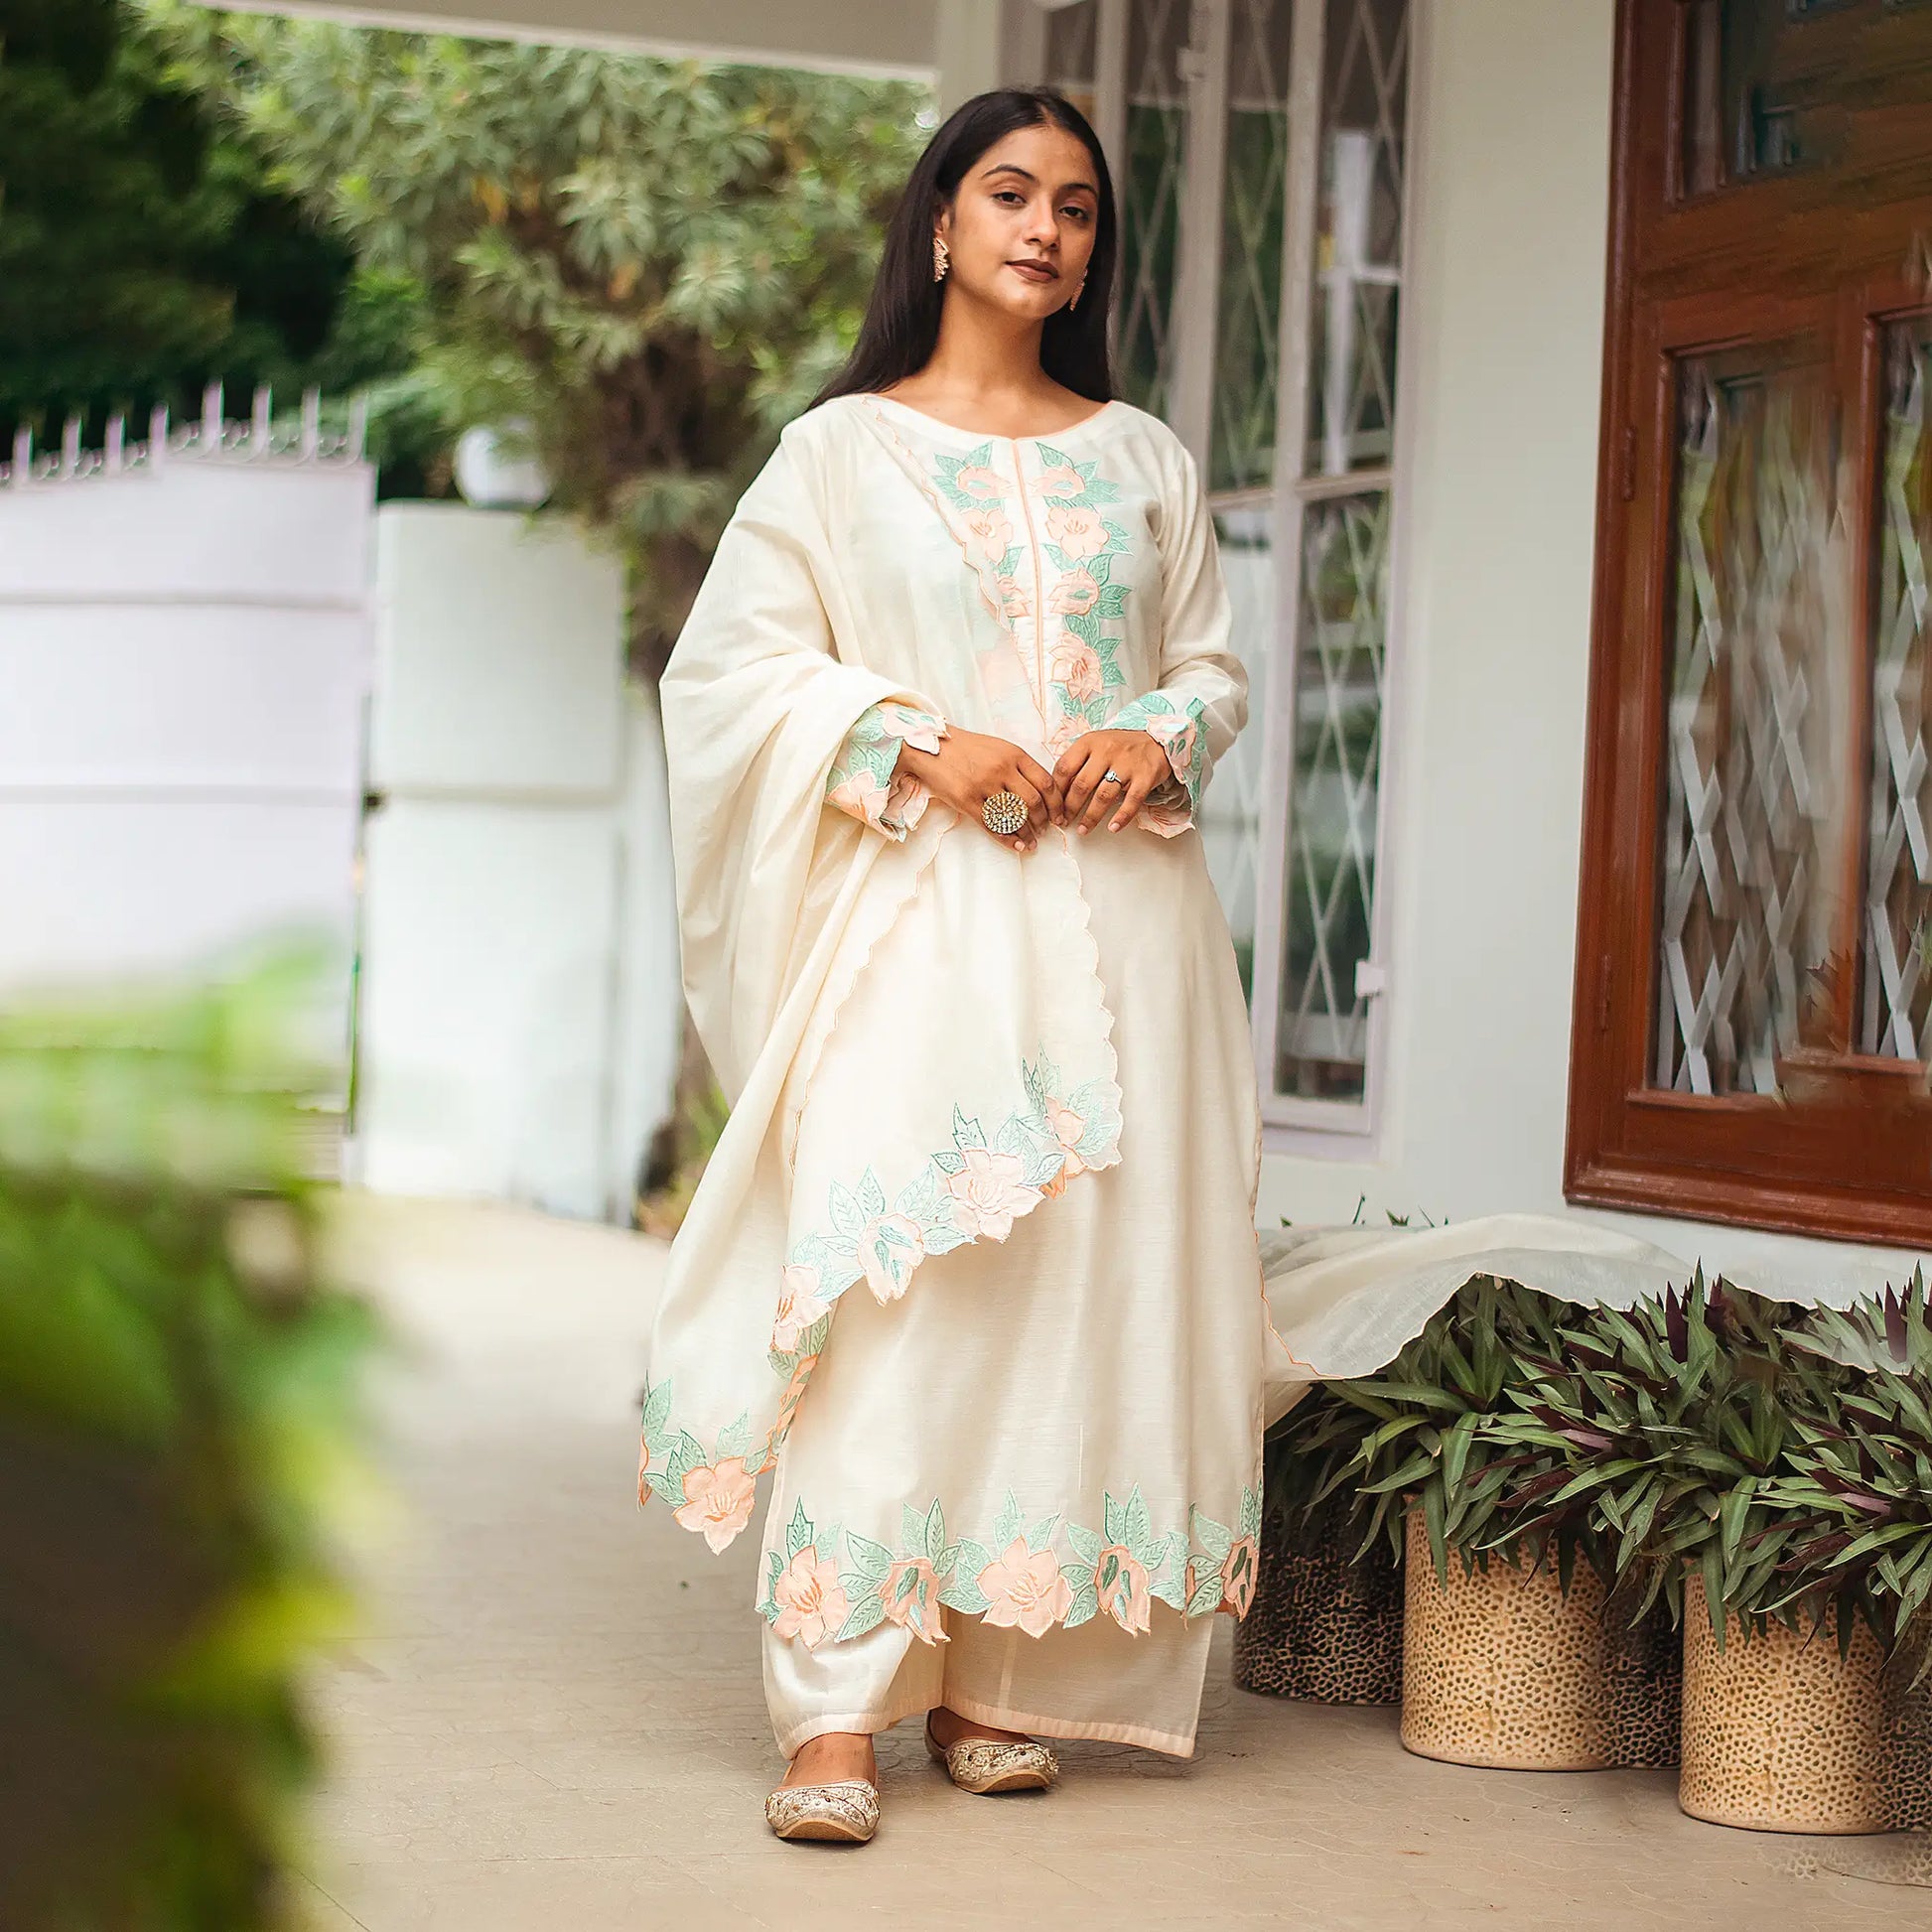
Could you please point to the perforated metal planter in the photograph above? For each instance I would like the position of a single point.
(1780, 1733)
(1502, 1669)
(1321, 1628)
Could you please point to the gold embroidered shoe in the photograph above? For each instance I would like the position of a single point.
(985, 1766)
(846, 1812)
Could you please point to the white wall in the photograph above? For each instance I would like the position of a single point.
(184, 656)
(1505, 322)
(521, 1000)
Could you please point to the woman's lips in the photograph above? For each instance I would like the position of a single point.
(1034, 271)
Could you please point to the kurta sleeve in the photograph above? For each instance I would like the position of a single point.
(1200, 703)
(866, 781)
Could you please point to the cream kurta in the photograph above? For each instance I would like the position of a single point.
(974, 1266)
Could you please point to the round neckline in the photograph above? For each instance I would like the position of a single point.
(994, 435)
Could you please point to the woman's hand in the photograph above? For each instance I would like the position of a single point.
(970, 767)
(1091, 795)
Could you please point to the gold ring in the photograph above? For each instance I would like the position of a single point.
(1004, 812)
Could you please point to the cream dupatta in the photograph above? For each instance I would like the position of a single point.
(996, 1084)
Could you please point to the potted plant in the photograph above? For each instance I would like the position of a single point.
(1505, 1639)
(1327, 1619)
(1856, 1524)
(1684, 1423)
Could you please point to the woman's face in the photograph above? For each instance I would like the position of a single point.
(1020, 226)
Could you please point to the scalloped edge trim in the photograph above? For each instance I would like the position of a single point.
(1190, 1547)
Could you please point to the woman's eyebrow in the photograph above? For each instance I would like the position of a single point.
(1014, 168)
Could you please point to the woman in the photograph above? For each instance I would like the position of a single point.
(973, 1267)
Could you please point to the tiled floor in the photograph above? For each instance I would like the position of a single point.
(553, 1721)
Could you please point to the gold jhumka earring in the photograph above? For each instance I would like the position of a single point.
(1077, 293)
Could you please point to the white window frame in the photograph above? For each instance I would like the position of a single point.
(1327, 1129)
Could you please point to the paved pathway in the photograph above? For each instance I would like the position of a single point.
(553, 1721)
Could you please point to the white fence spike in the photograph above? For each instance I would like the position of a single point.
(213, 436)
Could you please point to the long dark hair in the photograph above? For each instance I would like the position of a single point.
(901, 324)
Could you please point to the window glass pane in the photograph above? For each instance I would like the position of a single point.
(1895, 1018)
(1156, 132)
(1358, 237)
(1230, 822)
(1756, 707)
(1321, 1044)
(1248, 309)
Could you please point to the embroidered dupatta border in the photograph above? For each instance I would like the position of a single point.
(1051, 1576)
(973, 1191)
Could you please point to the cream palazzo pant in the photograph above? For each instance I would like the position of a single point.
(1114, 1339)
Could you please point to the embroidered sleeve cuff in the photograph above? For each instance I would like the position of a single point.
(865, 780)
(1175, 723)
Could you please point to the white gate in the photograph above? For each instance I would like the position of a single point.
(185, 628)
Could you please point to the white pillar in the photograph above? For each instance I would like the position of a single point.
(967, 45)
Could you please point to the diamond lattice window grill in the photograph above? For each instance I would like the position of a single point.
(1742, 811)
(1247, 339)
(1322, 1043)
(1351, 413)
(1896, 1015)
(1157, 133)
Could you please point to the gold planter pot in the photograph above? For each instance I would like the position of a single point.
(1321, 1628)
(1502, 1669)
(1781, 1733)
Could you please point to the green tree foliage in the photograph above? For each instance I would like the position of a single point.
(143, 253)
(652, 263)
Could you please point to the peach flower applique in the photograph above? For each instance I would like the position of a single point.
(717, 1501)
(1077, 530)
(988, 1192)
(989, 535)
(1120, 1579)
(811, 1604)
(1238, 1568)
(1060, 479)
(1074, 595)
(1077, 668)
(890, 1246)
(909, 1597)
(862, 795)
(982, 484)
(799, 1306)
(1025, 1590)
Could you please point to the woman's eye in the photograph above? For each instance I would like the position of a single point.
(1009, 194)
(1077, 213)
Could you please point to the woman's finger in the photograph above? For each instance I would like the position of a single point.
(1076, 785)
(1138, 788)
(1029, 794)
(1101, 793)
(1045, 782)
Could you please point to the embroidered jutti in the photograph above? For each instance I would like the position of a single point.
(973, 1268)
